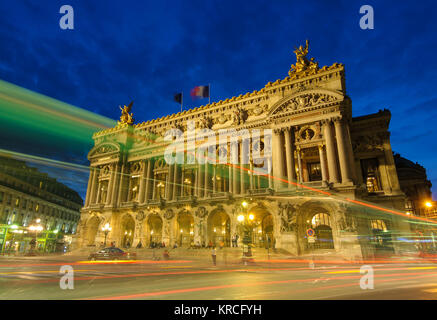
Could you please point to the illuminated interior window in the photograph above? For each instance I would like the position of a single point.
(160, 185)
(378, 225)
(371, 174)
(320, 219)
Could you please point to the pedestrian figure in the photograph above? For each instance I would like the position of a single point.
(236, 240)
(214, 256)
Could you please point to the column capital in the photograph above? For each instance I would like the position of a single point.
(325, 122)
(338, 120)
(321, 146)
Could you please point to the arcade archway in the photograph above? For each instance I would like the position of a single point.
(262, 228)
(127, 231)
(185, 229)
(153, 230)
(92, 227)
(219, 228)
(321, 223)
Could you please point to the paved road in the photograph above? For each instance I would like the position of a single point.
(39, 278)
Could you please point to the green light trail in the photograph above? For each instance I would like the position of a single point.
(40, 114)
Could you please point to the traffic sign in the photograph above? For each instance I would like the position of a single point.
(311, 239)
(310, 232)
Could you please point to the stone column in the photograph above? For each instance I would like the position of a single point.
(154, 186)
(88, 189)
(206, 183)
(230, 180)
(244, 156)
(201, 180)
(270, 174)
(196, 182)
(251, 175)
(141, 193)
(175, 181)
(330, 151)
(278, 161)
(214, 181)
(289, 152)
(234, 155)
(181, 193)
(390, 165)
(299, 163)
(352, 164)
(111, 184)
(121, 188)
(323, 164)
(95, 186)
(168, 183)
(342, 151)
(115, 186)
(129, 188)
(98, 190)
(148, 180)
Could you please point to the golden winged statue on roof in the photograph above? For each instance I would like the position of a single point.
(302, 62)
(126, 117)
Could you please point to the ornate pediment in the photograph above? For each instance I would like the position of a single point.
(104, 148)
(306, 99)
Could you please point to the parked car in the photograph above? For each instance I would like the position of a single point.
(112, 253)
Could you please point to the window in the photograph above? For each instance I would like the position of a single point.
(314, 171)
(323, 231)
(378, 225)
(371, 174)
(160, 185)
(134, 188)
(188, 182)
(409, 206)
(320, 219)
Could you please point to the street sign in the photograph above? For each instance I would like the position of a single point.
(311, 239)
(310, 232)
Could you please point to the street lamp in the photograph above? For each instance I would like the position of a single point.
(36, 228)
(428, 204)
(245, 221)
(106, 229)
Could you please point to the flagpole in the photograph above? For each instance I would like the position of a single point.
(182, 100)
(209, 91)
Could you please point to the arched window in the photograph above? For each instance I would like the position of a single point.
(323, 232)
(320, 219)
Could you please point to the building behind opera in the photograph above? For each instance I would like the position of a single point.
(331, 172)
(36, 210)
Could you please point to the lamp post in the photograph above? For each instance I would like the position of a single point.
(106, 229)
(245, 221)
(36, 227)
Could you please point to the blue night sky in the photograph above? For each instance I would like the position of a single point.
(147, 50)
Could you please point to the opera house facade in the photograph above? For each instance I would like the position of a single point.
(310, 166)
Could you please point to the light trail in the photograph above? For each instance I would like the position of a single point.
(250, 284)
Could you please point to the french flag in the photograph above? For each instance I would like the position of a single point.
(200, 92)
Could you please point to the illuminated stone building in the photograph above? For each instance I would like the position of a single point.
(336, 164)
(26, 195)
(415, 184)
